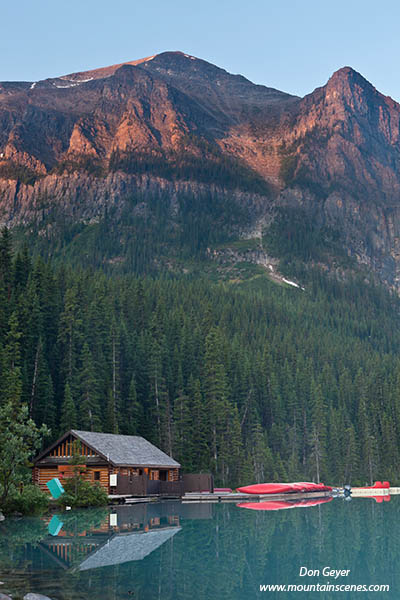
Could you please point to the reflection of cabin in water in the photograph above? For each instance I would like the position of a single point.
(128, 533)
(121, 464)
(122, 548)
(121, 536)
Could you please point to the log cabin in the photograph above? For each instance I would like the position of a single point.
(121, 464)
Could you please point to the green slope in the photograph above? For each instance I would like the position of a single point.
(277, 383)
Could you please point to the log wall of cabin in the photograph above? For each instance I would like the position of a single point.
(41, 475)
(89, 475)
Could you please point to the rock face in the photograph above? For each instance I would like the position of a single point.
(139, 106)
(85, 140)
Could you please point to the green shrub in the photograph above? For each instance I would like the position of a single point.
(78, 521)
(80, 493)
(31, 501)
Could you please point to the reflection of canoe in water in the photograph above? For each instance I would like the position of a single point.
(284, 488)
(282, 504)
(378, 499)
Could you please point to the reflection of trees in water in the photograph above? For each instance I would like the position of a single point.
(78, 521)
(15, 535)
(229, 555)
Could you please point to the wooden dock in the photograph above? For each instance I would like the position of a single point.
(239, 497)
(216, 497)
(363, 493)
(128, 499)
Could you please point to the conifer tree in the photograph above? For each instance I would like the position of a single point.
(201, 449)
(88, 392)
(44, 410)
(369, 456)
(68, 419)
(133, 412)
(6, 265)
(215, 394)
(70, 333)
(318, 432)
(184, 441)
(111, 423)
(351, 454)
(261, 455)
(11, 381)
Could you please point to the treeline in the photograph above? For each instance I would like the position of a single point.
(141, 234)
(196, 160)
(254, 383)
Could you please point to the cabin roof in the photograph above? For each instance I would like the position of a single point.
(120, 450)
(125, 450)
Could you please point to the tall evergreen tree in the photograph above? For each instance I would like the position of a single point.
(68, 418)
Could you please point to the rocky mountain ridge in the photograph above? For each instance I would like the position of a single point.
(175, 122)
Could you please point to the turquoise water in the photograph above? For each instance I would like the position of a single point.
(169, 551)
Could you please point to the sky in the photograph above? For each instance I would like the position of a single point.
(291, 45)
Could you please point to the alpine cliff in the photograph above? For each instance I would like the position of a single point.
(174, 140)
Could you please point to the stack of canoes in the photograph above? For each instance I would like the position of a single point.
(284, 488)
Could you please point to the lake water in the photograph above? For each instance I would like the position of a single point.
(173, 551)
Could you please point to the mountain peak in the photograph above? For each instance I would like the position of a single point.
(348, 77)
(345, 73)
(110, 70)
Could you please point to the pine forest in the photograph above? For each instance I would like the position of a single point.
(251, 380)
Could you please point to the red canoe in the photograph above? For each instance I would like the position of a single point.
(378, 485)
(282, 504)
(284, 488)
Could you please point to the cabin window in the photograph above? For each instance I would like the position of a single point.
(163, 476)
(97, 475)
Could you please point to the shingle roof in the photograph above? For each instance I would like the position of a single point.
(126, 450)
(127, 547)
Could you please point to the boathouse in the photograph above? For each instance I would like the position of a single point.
(121, 464)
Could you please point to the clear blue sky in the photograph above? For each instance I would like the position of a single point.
(292, 45)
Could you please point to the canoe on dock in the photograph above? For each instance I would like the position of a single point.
(378, 485)
(284, 488)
